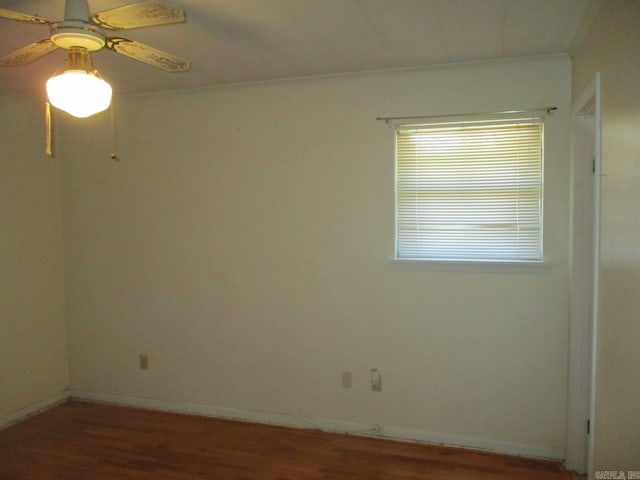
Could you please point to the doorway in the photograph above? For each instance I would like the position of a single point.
(584, 258)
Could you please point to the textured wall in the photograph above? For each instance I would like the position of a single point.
(612, 47)
(244, 243)
(33, 357)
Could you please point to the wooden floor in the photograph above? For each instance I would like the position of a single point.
(78, 440)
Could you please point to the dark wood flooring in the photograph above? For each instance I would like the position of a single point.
(82, 441)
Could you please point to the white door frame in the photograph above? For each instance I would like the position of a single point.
(585, 258)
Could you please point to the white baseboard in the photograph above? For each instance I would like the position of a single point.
(353, 428)
(24, 412)
(476, 443)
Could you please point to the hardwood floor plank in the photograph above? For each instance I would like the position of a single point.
(80, 441)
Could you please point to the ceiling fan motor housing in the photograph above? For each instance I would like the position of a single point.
(76, 33)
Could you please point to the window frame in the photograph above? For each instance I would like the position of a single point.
(480, 263)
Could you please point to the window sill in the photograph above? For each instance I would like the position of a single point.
(470, 266)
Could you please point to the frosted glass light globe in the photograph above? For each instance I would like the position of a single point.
(79, 93)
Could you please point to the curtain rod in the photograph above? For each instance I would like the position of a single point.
(504, 112)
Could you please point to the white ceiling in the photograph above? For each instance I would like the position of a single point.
(239, 41)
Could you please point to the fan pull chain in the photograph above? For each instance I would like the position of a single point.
(114, 134)
(48, 121)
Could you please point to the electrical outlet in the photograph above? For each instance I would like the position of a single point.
(376, 380)
(346, 379)
(144, 361)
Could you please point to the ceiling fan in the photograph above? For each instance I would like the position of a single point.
(79, 29)
(82, 33)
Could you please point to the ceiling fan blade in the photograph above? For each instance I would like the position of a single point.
(147, 54)
(147, 13)
(23, 17)
(29, 53)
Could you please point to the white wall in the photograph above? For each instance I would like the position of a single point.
(612, 47)
(33, 358)
(243, 243)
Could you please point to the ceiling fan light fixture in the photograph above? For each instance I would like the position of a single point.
(79, 93)
(79, 90)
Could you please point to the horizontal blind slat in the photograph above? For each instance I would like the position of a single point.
(470, 191)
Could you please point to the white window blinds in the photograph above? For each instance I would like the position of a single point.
(470, 191)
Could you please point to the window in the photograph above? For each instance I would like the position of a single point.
(470, 191)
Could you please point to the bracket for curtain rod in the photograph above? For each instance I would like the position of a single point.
(504, 112)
